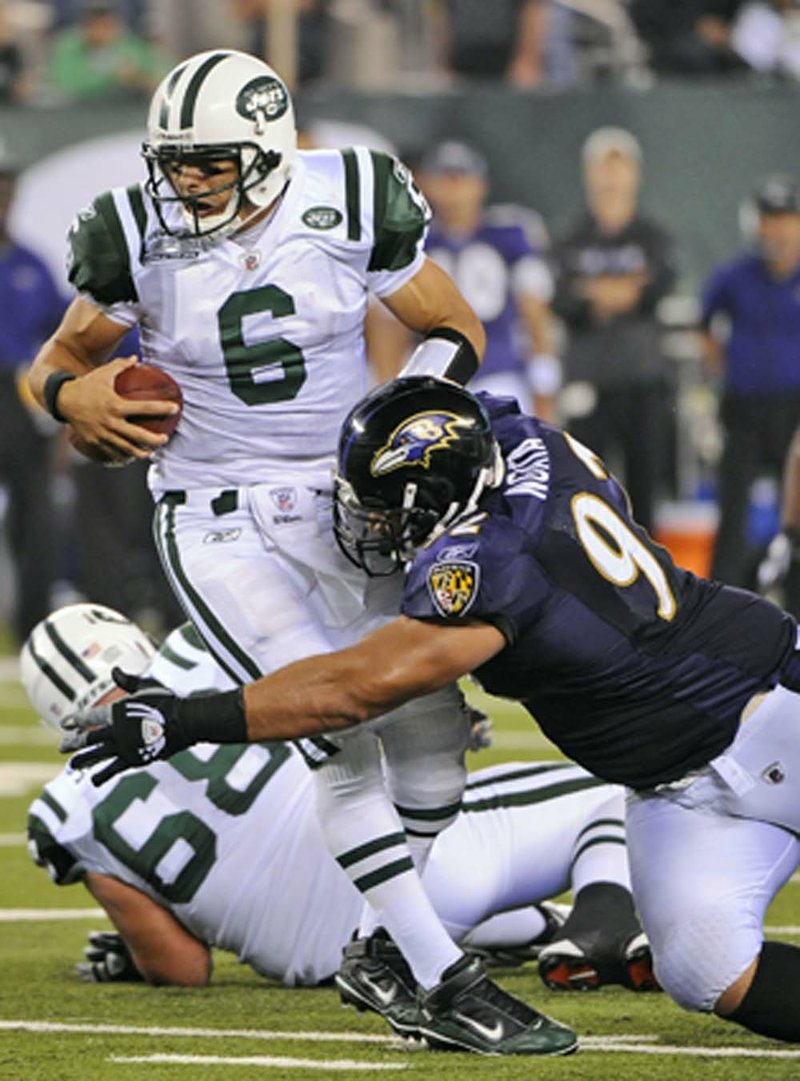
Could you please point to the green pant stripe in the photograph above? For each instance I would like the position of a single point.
(518, 774)
(170, 556)
(539, 795)
(355, 855)
(383, 874)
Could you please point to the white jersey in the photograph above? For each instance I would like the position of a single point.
(263, 330)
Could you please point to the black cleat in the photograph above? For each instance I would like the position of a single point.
(375, 976)
(469, 1012)
(601, 943)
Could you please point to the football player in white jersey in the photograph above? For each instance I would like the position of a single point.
(158, 848)
(246, 266)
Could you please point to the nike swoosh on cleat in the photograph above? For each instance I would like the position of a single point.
(386, 998)
(493, 1034)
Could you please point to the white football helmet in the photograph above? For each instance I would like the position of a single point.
(65, 665)
(221, 105)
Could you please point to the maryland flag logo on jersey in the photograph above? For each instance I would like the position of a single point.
(413, 441)
(453, 586)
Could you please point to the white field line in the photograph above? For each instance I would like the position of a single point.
(26, 735)
(45, 915)
(622, 1047)
(20, 778)
(13, 840)
(624, 1043)
(262, 1060)
(31, 915)
(202, 1033)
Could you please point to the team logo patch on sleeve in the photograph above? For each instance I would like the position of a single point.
(453, 586)
(322, 217)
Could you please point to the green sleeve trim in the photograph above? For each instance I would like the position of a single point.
(352, 194)
(190, 634)
(100, 262)
(399, 218)
(48, 853)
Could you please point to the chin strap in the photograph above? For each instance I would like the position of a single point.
(444, 353)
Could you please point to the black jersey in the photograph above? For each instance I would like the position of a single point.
(634, 667)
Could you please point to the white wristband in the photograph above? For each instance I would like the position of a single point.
(544, 374)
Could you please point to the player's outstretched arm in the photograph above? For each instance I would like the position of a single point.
(163, 951)
(403, 660)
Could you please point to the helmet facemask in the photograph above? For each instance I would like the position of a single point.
(381, 539)
(252, 165)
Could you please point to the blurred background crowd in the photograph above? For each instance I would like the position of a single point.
(613, 185)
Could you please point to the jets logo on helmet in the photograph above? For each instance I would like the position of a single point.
(413, 441)
(265, 97)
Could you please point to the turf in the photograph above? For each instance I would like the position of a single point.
(55, 1028)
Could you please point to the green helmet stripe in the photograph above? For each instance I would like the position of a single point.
(193, 89)
(166, 101)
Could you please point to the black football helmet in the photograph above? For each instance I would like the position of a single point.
(414, 455)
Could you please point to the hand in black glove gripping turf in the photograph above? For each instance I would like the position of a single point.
(108, 960)
(132, 731)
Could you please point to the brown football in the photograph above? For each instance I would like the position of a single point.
(140, 382)
(146, 382)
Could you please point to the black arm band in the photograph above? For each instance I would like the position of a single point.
(444, 353)
(52, 385)
(213, 718)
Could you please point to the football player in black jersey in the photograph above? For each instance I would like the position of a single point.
(524, 566)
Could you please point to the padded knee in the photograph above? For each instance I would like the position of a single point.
(698, 958)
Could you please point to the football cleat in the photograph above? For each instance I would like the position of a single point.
(565, 966)
(555, 915)
(375, 976)
(467, 1011)
(601, 943)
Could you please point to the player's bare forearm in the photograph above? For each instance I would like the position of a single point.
(162, 949)
(404, 660)
(431, 299)
(84, 339)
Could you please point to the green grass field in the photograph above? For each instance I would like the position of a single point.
(55, 1028)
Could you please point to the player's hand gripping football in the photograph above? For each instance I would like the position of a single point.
(132, 731)
(108, 960)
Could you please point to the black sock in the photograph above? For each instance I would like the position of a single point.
(771, 1006)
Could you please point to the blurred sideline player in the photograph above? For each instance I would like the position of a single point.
(246, 266)
(160, 848)
(495, 256)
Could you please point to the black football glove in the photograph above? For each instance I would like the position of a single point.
(133, 731)
(108, 960)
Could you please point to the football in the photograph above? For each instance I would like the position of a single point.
(146, 382)
(140, 382)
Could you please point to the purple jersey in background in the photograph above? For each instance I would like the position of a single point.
(503, 258)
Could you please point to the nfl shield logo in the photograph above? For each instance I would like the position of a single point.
(284, 499)
(453, 586)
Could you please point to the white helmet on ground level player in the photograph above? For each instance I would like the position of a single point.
(66, 662)
(222, 105)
